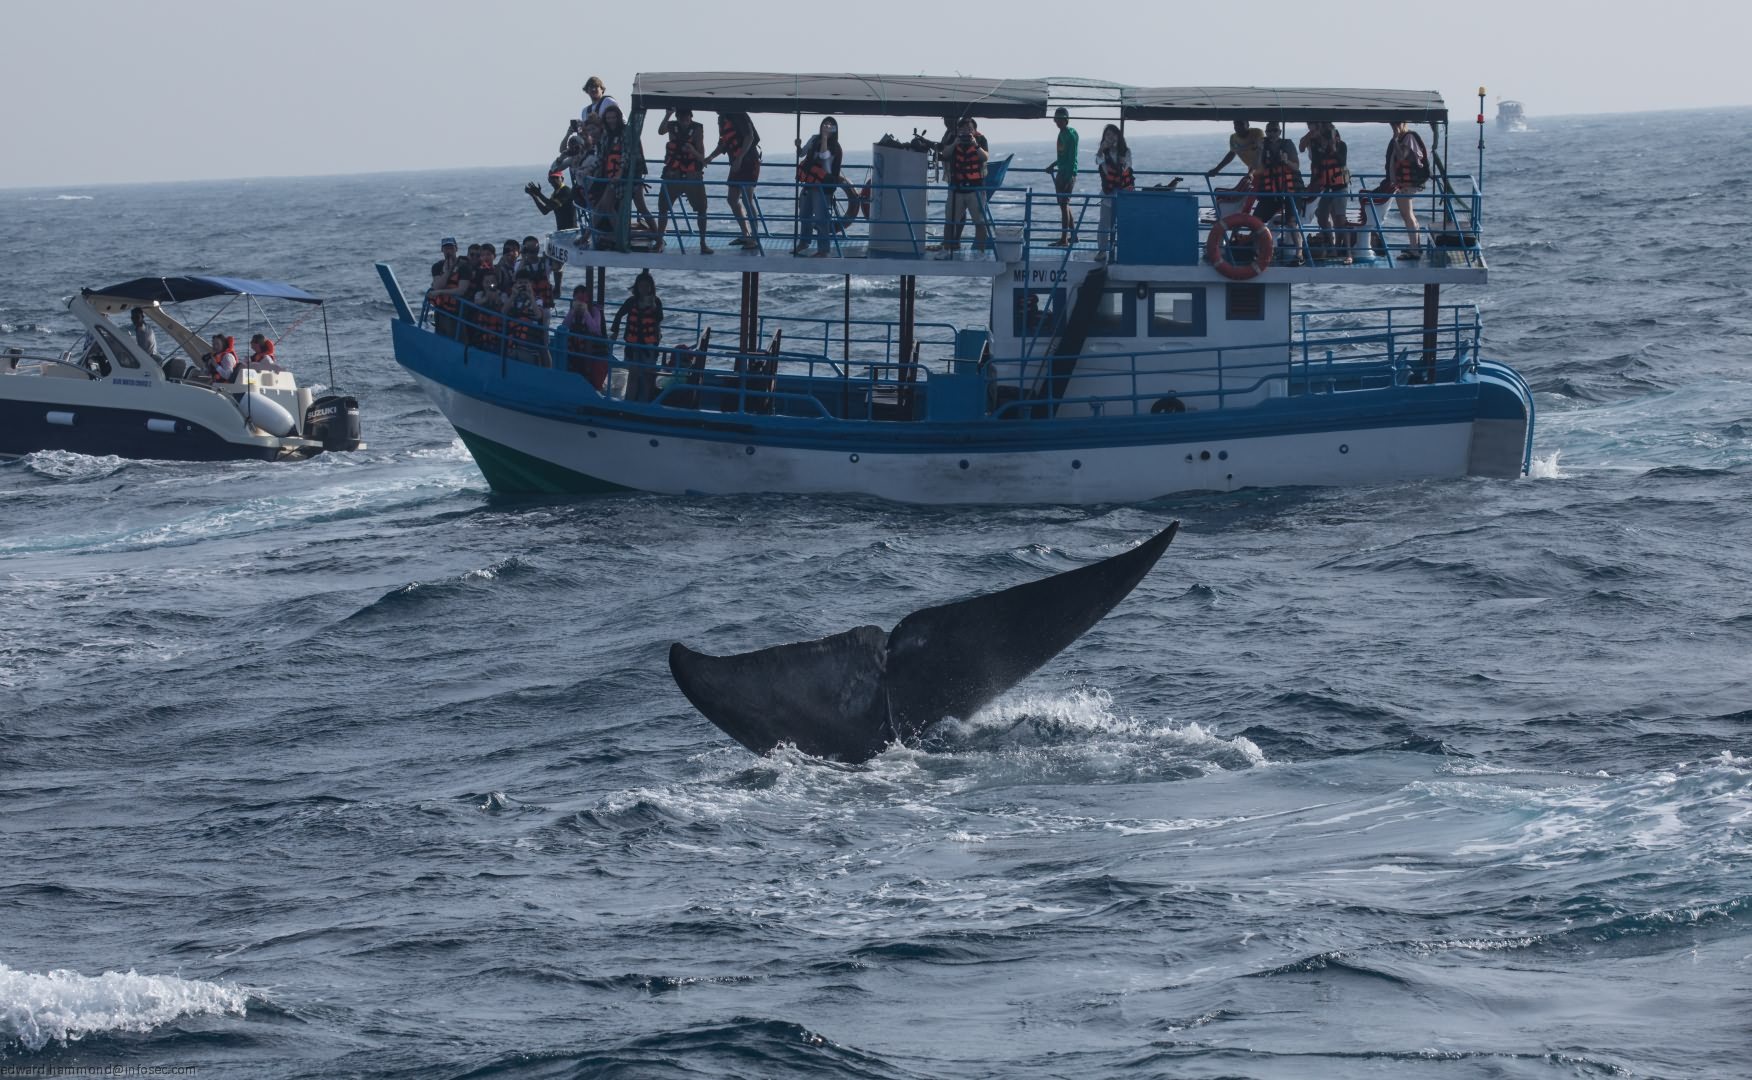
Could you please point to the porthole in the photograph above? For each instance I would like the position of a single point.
(854, 459)
(1222, 455)
(749, 450)
(1344, 448)
(1076, 464)
(1204, 455)
(653, 442)
(592, 434)
(964, 463)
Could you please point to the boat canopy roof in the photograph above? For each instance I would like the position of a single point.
(1022, 99)
(1285, 104)
(172, 290)
(861, 95)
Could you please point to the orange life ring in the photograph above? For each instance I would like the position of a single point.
(1262, 247)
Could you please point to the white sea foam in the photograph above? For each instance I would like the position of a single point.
(1545, 468)
(65, 1006)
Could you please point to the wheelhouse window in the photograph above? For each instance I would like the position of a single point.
(1116, 315)
(1177, 313)
(1037, 312)
(1246, 303)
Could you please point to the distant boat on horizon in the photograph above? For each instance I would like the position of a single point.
(1511, 116)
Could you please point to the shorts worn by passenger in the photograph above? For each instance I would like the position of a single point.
(694, 191)
(746, 173)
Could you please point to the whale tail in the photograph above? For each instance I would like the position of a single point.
(849, 695)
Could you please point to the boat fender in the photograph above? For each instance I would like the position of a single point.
(266, 413)
(1260, 237)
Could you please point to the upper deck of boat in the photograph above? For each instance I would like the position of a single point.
(889, 214)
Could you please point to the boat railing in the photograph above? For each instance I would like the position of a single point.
(868, 221)
(1330, 352)
(861, 337)
(1333, 352)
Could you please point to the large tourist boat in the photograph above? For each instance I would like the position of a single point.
(1160, 350)
(1511, 116)
(116, 392)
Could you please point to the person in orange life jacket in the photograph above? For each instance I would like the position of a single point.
(1329, 176)
(445, 278)
(586, 351)
(1114, 161)
(261, 354)
(1278, 178)
(643, 314)
(739, 142)
(527, 323)
(1408, 169)
(222, 361)
(818, 169)
(505, 270)
(967, 172)
(559, 204)
(684, 170)
(537, 268)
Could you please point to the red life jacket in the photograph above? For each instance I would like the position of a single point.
(449, 303)
(1408, 171)
(225, 365)
(1115, 176)
(643, 327)
(810, 170)
(1277, 173)
(728, 138)
(1326, 168)
(966, 169)
(675, 165)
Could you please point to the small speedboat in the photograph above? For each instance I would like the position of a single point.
(150, 392)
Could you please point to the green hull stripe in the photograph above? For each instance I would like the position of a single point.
(514, 472)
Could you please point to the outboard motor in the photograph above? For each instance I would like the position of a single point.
(333, 420)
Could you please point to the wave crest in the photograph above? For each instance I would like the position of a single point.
(64, 1006)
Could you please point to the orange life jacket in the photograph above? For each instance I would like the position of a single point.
(810, 170)
(966, 169)
(1277, 172)
(449, 303)
(728, 138)
(1115, 176)
(676, 166)
(1326, 167)
(642, 326)
(610, 166)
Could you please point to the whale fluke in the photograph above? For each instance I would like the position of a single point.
(849, 695)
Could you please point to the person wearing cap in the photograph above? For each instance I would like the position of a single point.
(599, 99)
(446, 277)
(559, 204)
(1064, 172)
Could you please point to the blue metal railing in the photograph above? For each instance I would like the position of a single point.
(1019, 214)
(1337, 351)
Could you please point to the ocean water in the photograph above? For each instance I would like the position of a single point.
(351, 768)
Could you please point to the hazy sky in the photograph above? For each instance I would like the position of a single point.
(113, 91)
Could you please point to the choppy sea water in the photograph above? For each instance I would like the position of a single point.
(348, 767)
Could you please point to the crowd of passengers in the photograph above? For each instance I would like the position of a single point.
(589, 179)
(503, 298)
